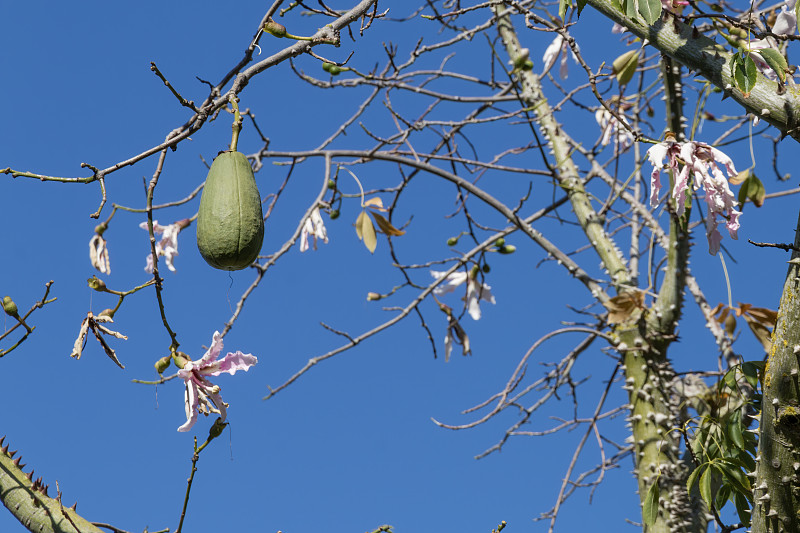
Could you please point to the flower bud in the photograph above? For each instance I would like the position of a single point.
(474, 272)
(278, 30)
(527, 65)
(163, 364)
(334, 214)
(486, 268)
(97, 284)
(181, 359)
(216, 428)
(335, 70)
(507, 249)
(331, 184)
(500, 242)
(101, 228)
(372, 296)
(10, 307)
(327, 66)
(106, 312)
(452, 241)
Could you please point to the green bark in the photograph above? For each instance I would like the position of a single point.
(777, 490)
(29, 503)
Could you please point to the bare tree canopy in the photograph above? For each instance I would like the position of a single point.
(363, 245)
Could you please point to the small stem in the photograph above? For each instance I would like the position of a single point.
(237, 122)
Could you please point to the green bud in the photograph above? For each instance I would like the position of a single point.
(107, 312)
(452, 241)
(372, 296)
(331, 184)
(180, 359)
(278, 30)
(528, 65)
(474, 272)
(10, 307)
(486, 268)
(101, 228)
(97, 284)
(334, 214)
(335, 70)
(327, 66)
(507, 249)
(163, 364)
(500, 242)
(216, 429)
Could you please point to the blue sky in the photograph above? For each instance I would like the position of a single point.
(350, 446)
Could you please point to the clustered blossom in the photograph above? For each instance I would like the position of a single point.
(612, 131)
(167, 245)
(476, 290)
(557, 48)
(316, 228)
(705, 163)
(201, 395)
(98, 254)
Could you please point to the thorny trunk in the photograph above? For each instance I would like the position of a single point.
(644, 339)
(29, 503)
(777, 490)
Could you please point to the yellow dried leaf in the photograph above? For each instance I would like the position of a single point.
(366, 231)
(375, 203)
(622, 306)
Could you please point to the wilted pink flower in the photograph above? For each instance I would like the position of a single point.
(705, 164)
(476, 290)
(167, 245)
(557, 48)
(612, 131)
(314, 227)
(98, 254)
(202, 395)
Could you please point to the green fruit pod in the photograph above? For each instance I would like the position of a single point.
(230, 225)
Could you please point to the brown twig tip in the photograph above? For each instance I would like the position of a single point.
(782, 246)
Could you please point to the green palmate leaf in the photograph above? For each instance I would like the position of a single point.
(733, 474)
(562, 8)
(742, 508)
(722, 497)
(750, 370)
(752, 189)
(776, 61)
(366, 231)
(650, 507)
(693, 477)
(630, 8)
(705, 486)
(650, 10)
(735, 429)
(744, 72)
(625, 66)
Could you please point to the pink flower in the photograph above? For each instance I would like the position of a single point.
(476, 290)
(167, 245)
(705, 163)
(202, 396)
